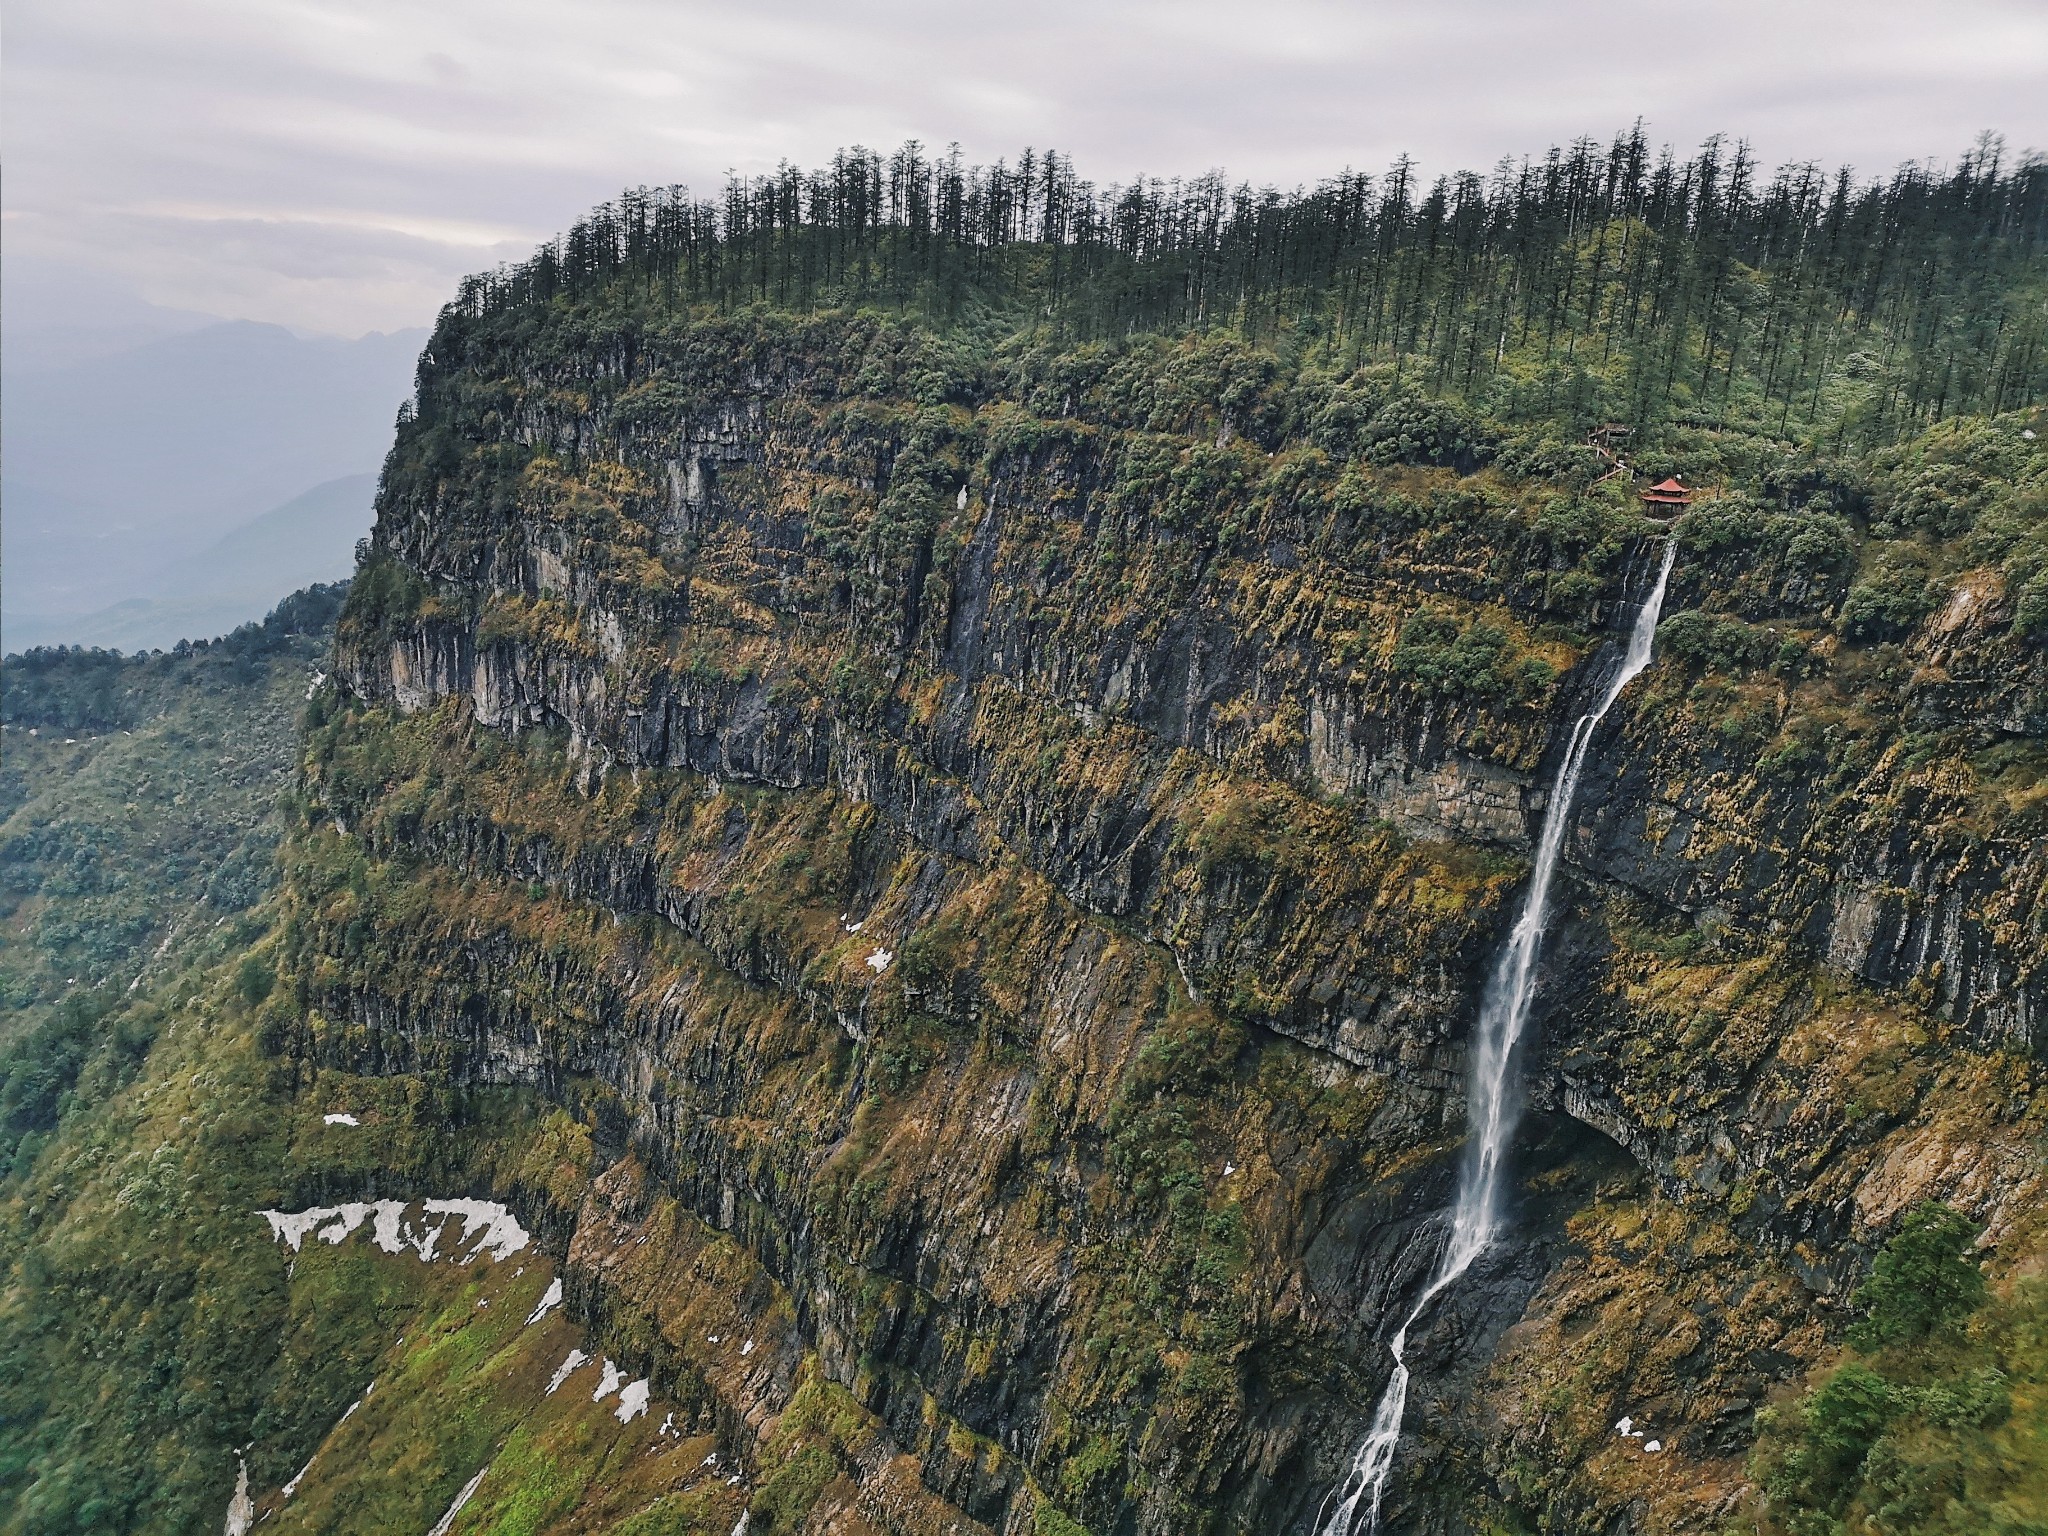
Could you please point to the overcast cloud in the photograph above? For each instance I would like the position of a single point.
(336, 165)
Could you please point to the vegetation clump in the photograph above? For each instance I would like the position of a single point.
(1442, 657)
(1934, 1423)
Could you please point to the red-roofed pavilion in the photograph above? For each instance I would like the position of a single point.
(1668, 496)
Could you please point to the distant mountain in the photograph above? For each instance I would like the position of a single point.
(120, 468)
(54, 316)
(311, 538)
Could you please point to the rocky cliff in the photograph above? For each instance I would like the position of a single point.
(1002, 845)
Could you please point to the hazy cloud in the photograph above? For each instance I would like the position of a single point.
(338, 164)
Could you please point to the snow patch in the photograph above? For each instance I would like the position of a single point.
(299, 1476)
(293, 1227)
(487, 1227)
(468, 1489)
(746, 1349)
(608, 1382)
(391, 1232)
(565, 1370)
(347, 1413)
(548, 1303)
(878, 962)
(632, 1401)
(241, 1508)
(502, 1236)
(342, 1119)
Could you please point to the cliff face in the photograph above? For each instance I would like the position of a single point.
(1016, 843)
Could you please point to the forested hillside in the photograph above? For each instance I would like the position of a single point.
(1599, 283)
(151, 1324)
(140, 798)
(921, 781)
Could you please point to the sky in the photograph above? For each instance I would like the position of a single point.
(337, 165)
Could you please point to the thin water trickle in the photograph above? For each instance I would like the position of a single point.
(1493, 1105)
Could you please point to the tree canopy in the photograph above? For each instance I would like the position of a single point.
(1622, 278)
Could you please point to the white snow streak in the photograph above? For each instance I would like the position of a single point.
(502, 1234)
(347, 1413)
(343, 1119)
(878, 962)
(241, 1508)
(299, 1476)
(608, 1383)
(565, 1370)
(294, 1227)
(441, 1526)
(548, 1303)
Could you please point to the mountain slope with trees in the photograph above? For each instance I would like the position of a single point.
(924, 770)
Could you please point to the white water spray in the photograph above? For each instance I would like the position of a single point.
(1492, 1106)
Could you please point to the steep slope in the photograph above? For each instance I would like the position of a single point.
(1014, 840)
(159, 1335)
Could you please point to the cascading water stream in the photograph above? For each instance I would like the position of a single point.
(1491, 1109)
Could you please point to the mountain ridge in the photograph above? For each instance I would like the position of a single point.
(307, 540)
(126, 465)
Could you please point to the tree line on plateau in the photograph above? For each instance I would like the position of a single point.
(1614, 280)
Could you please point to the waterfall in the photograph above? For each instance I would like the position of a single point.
(1491, 1104)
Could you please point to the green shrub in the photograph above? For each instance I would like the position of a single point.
(1715, 640)
(386, 594)
(1814, 543)
(1410, 429)
(1046, 1520)
(1095, 1471)
(1888, 1442)
(1724, 524)
(1895, 595)
(254, 978)
(1839, 1424)
(787, 1497)
(1443, 658)
(1941, 500)
(1924, 1280)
